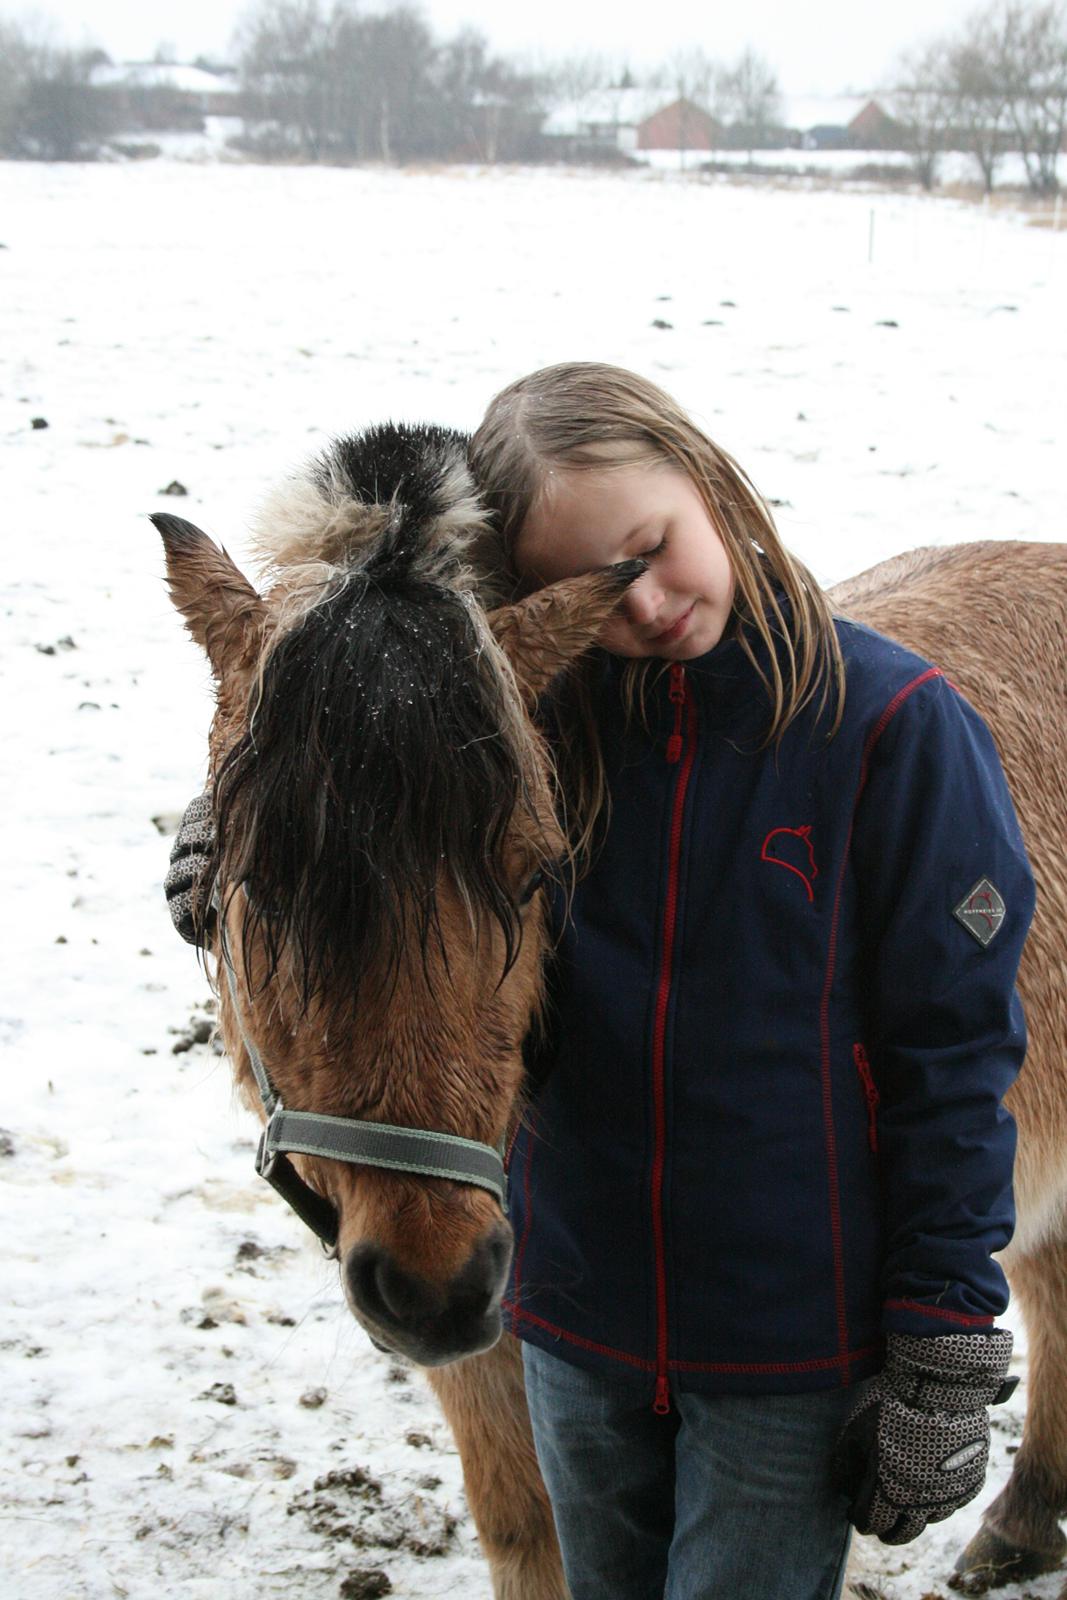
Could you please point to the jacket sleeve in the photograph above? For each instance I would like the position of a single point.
(945, 896)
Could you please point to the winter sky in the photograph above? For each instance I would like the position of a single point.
(819, 47)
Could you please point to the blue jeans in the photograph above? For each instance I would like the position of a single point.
(728, 1496)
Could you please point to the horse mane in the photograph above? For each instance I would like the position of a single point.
(387, 745)
(323, 518)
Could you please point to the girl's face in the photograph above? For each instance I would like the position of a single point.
(589, 518)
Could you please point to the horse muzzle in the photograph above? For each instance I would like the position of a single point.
(430, 1323)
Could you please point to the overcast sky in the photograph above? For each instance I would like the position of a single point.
(816, 47)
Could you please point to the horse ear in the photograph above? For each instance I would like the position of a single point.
(222, 611)
(548, 630)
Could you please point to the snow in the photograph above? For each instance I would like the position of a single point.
(163, 75)
(210, 144)
(889, 370)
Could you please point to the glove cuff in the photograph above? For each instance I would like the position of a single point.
(950, 1372)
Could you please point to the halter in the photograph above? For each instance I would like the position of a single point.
(372, 1144)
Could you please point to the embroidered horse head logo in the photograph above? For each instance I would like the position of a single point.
(791, 848)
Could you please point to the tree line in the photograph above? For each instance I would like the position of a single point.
(48, 108)
(335, 82)
(327, 80)
(997, 83)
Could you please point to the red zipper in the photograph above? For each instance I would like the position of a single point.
(676, 694)
(870, 1091)
(676, 744)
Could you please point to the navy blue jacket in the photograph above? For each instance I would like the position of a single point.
(785, 1022)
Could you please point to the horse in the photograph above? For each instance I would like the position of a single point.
(993, 615)
(386, 822)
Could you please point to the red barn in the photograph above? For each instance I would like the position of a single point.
(682, 125)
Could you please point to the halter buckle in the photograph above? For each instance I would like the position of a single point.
(265, 1158)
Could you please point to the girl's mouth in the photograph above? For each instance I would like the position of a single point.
(674, 632)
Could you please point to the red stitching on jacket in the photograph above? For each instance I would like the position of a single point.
(939, 1311)
(803, 834)
(824, 1012)
(886, 718)
(819, 1364)
(575, 1338)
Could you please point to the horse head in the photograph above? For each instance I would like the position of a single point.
(385, 822)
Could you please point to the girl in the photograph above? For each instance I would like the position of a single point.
(769, 1158)
(757, 1195)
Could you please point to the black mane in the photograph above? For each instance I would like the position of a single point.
(393, 462)
(378, 758)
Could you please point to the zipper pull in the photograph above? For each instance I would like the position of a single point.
(662, 1403)
(676, 695)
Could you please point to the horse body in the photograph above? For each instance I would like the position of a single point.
(385, 813)
(993, 616)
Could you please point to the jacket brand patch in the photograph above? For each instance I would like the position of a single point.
(791, 848)
(982, 911)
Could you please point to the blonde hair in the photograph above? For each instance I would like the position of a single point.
(590, 416)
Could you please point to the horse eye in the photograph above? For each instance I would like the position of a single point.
(531, 887)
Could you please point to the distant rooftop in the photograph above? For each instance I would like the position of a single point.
(822, 111)
(163, 75)
(628, 108)
(607, 108)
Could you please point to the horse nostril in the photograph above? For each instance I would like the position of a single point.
(362, 1270)
(404, 1297)
(498, 1247)
(382, 1290)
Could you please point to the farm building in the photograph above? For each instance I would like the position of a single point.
(840, 122)
(629, 120)
(160, 95)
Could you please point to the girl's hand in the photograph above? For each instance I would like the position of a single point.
(916, 1447)
(190, 857)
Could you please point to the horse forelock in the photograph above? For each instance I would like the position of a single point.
(365, 490)
(387, 750)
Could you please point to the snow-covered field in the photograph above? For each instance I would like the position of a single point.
(176, 1365)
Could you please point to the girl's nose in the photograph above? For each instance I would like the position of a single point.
(644, 600)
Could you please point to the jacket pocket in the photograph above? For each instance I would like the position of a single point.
(870, 1093)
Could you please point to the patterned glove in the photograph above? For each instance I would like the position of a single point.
(189, 860)
(916, 1446)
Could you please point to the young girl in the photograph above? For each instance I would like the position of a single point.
(769, 1158)
(757, 1195)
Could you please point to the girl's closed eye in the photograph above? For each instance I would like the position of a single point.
(655, 550)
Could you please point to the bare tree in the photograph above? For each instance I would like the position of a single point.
(692, 74)
(398, 52)
(341, 84)
(750, 95)
(49, 110)
(922, 101)
(567, 80)
(284, 59)
(485, 106)
(979, 94)
(1031, 61)
(998, 84)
